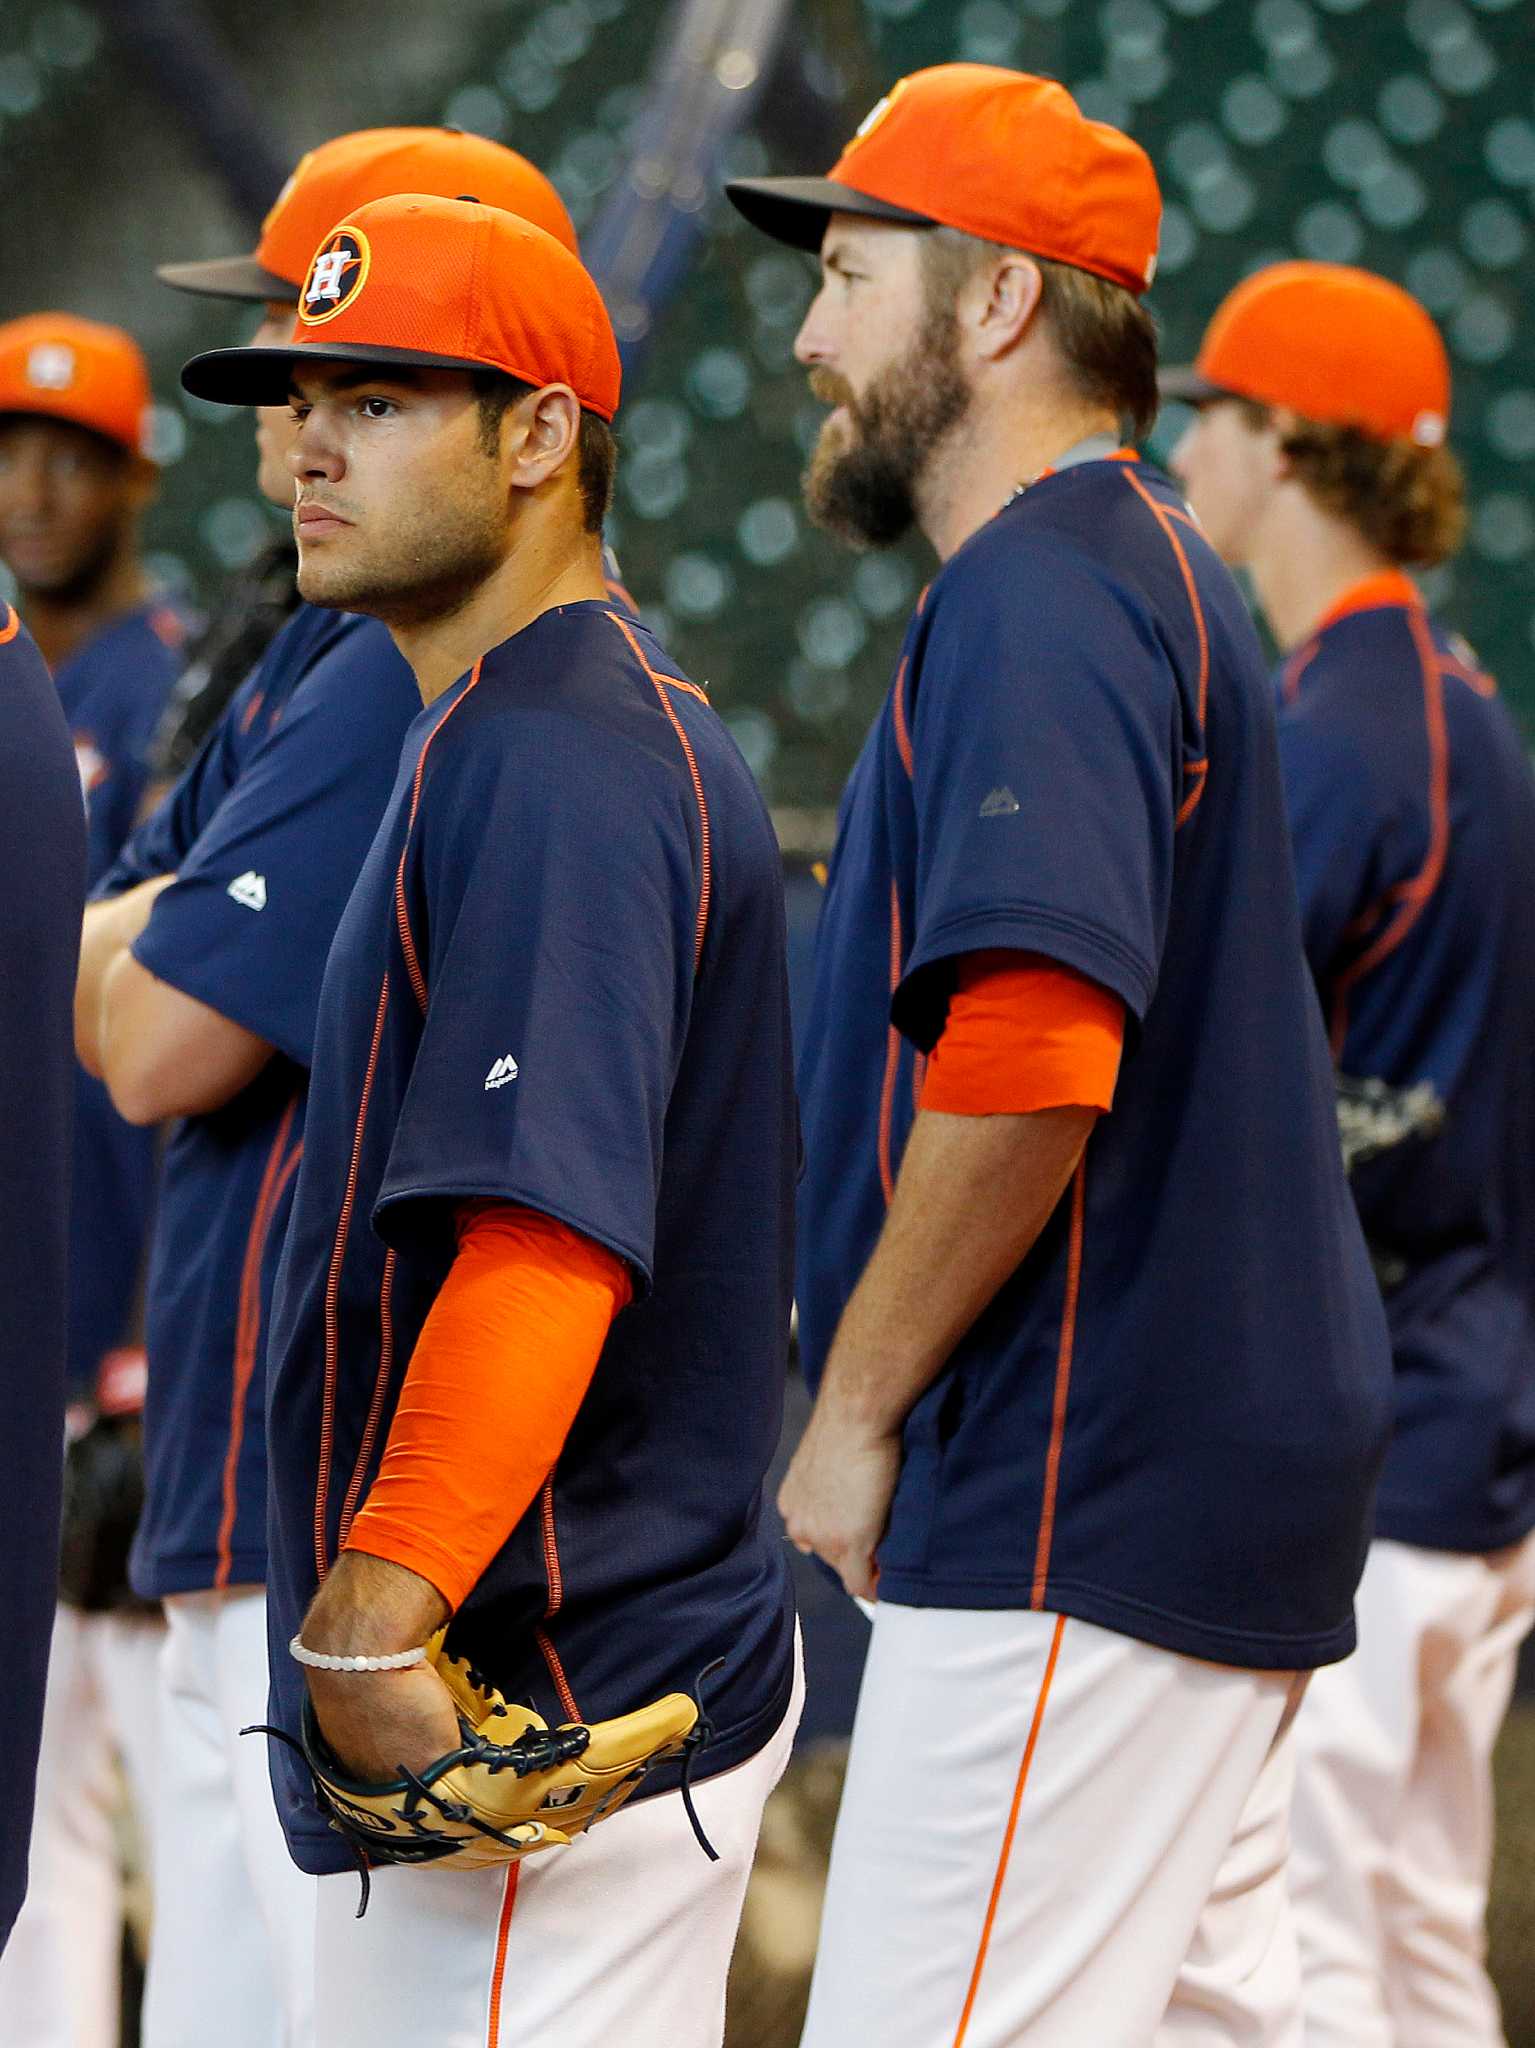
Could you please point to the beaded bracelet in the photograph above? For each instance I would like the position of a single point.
(400, 1661)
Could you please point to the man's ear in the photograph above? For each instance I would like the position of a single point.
(1006, 298)
(546, 426)
(1281, 424)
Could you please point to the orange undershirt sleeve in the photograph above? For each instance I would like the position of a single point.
(503, 1362)
(1024, 1033)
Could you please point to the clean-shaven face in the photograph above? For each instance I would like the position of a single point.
(67, 499)
(1228, 469)
(274, 423)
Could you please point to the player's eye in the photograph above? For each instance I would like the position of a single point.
(377, 408)
(298, 412)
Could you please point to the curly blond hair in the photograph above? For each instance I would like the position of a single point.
(1406, 500)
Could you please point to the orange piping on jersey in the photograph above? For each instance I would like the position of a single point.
(1483, 684)
(248, 717)
(1295, 668)
(332, 1296)
(376, 1405)
(1201, 778)
(918, 1080)
(275, 1177)
(402, 915)
(10, 624)
(1409, 898)
(556, 1600)
(698, 783)
(1196, 772)
(498, 1971)
(1012, 1828)
(892, 1055)
(898, 714)
(1063, 1360)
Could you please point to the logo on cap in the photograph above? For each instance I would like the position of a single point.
(877, 113)
(1428, 429)
(337, 274)
(51, 366)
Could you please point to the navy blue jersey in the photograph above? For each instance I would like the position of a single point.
(42, 888)
(1412, 808)
(560, 982)
(1169, 1420)
(113, 689)
(265, 833)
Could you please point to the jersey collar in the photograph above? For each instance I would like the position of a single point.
(1386, 587)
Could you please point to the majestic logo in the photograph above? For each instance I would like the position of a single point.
(50, 366)
(999, 803)
(337, 274)
(503, 1071)
(249, 890)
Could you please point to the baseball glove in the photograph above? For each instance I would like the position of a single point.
(514, 1785)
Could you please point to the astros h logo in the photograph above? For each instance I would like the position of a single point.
(337, 274)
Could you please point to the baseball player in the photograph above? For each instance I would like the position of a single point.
(528, 1346)
(1317, 461)
(1102, 1378)
(42, 862)
(200, 973)
(74, 484)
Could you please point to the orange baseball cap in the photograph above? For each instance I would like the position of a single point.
(1328, 342)
(995, 153)
(77, 370)
(437, 284)
(338, 177)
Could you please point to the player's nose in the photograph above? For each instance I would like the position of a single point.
(813, 344)
(313, 452)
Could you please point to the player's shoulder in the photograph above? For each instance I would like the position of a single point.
(18, 650)
(343, 667)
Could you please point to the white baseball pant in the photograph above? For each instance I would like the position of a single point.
(1393, 1811)
(1053, 1836)
(232, 1956)
(623, 1940)
(61, 1976)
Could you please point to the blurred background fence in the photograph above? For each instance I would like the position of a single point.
(1398, 133)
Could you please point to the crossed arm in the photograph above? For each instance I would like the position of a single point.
(161, 1052)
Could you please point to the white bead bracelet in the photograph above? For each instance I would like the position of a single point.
(400, 1661)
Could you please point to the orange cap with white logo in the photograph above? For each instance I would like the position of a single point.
(353, 170)
(64, 368)
(995, 153)
(1334, 344)
(429, 283)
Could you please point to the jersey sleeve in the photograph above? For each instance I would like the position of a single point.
(558, 885)
(1331, 809)
(160, 842)
(248, 922)
(1044, 762)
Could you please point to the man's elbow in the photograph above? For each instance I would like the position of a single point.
(143, 1091)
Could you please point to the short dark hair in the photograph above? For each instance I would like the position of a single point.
(1107, 339)
(597, 452)
(1408, 501)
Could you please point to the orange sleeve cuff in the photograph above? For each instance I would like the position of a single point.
(502, 1364)
(1024, 1033)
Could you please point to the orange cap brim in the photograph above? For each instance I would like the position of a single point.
(229, 277)
(796, 210)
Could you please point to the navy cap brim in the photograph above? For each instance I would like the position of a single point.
(229, 277)
(1182, 382)
(796, 210)
(264, 376)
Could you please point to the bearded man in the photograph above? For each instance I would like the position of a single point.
(1102, 1375)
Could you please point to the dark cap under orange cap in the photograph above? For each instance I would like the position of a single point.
(998, 154)
(1331, 343)
(78, 370)
(434, 284)
(374, 163)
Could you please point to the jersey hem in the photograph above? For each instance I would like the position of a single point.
(465, 1191)
(1249, 1649)
(1422, 1529)
(315, 1849)
(1032, 928)
(164, 1577)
